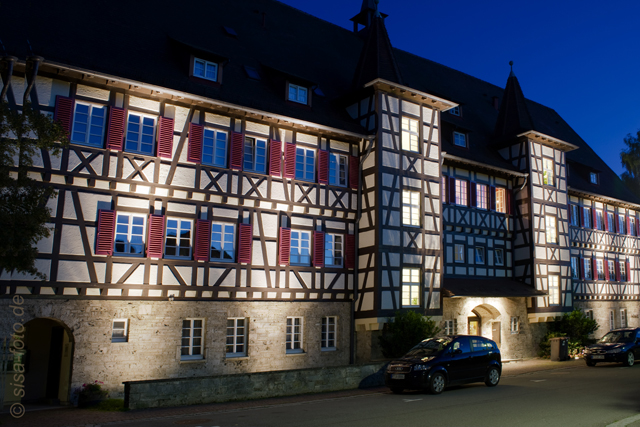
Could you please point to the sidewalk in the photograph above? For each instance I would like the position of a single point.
(74, 417)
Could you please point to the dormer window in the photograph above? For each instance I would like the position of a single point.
(455, 110)
(298, 93)
(205, 69)
(593, 178)
(460, 139)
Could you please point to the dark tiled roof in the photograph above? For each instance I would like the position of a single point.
(490, 287)
(513, 117)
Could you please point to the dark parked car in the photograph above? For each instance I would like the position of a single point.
(619, 345)
(436, 363)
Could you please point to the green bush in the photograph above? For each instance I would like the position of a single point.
(576, 326)
(404, 331)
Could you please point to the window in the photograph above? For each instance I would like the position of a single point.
(621, 225)
(612, 270)
(338, 169)
(575, 215)
(575, 269)
(458, 253)
(451, 327)
(501, 200)
(328, 333)
(600, 269)
(455, 110)
(498, 255)
(482, 199)
(294, 335)
(409, 134)
(119, 332)
(333, 250)
(589, 314)
(554, 290)
(551, 230)
(222, 242)
(178, 240)
(214, 148)
(192, 339)
(479, 255)
(459, 139)
(140, 134)
(205, 69)
(593, 177)
(255, 155)
(461, 192)
(547, 172)
(515, 325)
(410, 207)
(236, 337)
(129, 234)
(587, 269)
(305, 164)
(88, 125)
(623, 318)
(623, 270)
(298, 93)
(610, 222)
(300, 248)
(599, 225)
(586, 217)
(612, 322)
(410, 287)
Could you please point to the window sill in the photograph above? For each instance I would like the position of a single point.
(239, 357)
(328, 349)
(295, 353)
(188, 361)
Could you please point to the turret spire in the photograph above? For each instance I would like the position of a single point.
(514, 117)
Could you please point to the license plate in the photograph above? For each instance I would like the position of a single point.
(397, 376)
(597, 356)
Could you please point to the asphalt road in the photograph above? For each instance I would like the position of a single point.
(580, 396)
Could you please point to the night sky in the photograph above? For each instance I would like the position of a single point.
(581, 58)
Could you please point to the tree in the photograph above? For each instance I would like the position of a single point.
(405, 331)
(630, 158)
(23, 200)
(576, 326)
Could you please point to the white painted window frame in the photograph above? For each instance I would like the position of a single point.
(411, 287)
(125, 331)
(548, 171)
(90, 125)
(495, 256)
(130, 234)
(236, 336)
(458, 253)
(138, 141)
(294, 94)
(304, 255)
(294, 335)
(178, 239)
(411, 208)
(410, 135)
(213, 141)
(332, 247)
(338, 166)
(329, 328)
(553, 281)
(205, 66)
(460, 139)
(192, 339)
(551, 229)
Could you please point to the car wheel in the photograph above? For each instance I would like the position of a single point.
(396, 390)
(437, 383)
(590, 363)
(493, 377)
(630, 359)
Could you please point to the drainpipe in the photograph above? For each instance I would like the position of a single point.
(524, 183)
(31, 71)
(6, 71)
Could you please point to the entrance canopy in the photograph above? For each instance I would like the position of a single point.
(493, 287)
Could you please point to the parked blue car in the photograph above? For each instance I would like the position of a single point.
(619, 345)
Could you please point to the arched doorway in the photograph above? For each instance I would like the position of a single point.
(484, 320)
(48, 361)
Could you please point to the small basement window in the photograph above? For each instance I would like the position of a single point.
(298, 93)
(205, 69)
(119, 330)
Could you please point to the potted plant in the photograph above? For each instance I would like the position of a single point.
(91, 394)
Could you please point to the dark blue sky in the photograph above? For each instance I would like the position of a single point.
(581, 58)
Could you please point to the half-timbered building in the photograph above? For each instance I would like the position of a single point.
(249, 188)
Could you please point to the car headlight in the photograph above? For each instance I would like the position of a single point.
(421, 367)
(615, 350)
(587, 351)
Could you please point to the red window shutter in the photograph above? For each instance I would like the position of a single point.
(444, 191)
(637, 227)
(245, 243)
(354, 172)
(509, 201)
(594, 218)
(606, 269)
(323, 167)
(628, 271)
(165, 138)
(285, 246)
(156, 236)
(581, 216)
(194, 152)
(115, 129)
(605, 219)
(105, 233)
(617, 270)
(628, 225)
(350, 251)
(203, 236)
(474, 195)
(289, 160)
(275, 158)
(237, 140)
(594, 268)
(492, 194)
(452, 190)
(64, 112)
(582, 268)
(318, 249)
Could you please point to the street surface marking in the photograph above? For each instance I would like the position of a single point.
(537, 381)
(411, 400)
(625, 422)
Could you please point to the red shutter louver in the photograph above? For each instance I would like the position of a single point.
(594, 268)
(318, 249)
(605, 219)
(492, 195)
(203, 236)
(156, 236)
(617, 270)
(509, 202)
(474, 195)
(637, 227)
(275, 158)
(289, 160)
(245, 243)
(628, 225)
(115, 130)
(323, 167)
(628, 271)
(452, 190)
(594, 218)
(64, 112)
(236, 150)
(105, 233)
(165, 137)
(354, 172)
(606, 269)
(581, 268)
(581, 216)
(350, 251)
(285, 246)
(194, 152)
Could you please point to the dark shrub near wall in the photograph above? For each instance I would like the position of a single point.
(404, 331)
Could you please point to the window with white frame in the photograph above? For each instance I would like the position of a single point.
(338, 169)
(119, 330)
(482, 196)
(294, 335)
(214, 148)
(610, 222)
(459, 139)
(600, 269)
(515, 325)
(498, 256)
(599, 223)
(328, 333)
(551, 229)
(192, 335)
(129, 234)
(333, 252)
(547, 172)
(623, 318)
(222, 242)
(458, 253)
(410, 287)
(410, 135)
(575, 215)
(88, 124)
(501, 200)
(255, 155)
(305, 164)
(589, 314)
(298, 94)
(410, 207)
(588, 274)
(141, 131)
(461, 192)
(178, 238)
(300, 253)
(586, 217)
(205, 69)
(612, 320)
(236, 336)
(622, 229)
(575, 268)
(554, 289)
(612, 270)
(593, 177)
(451, 327)
(479, 252)
(455, 110)
(623, 270)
